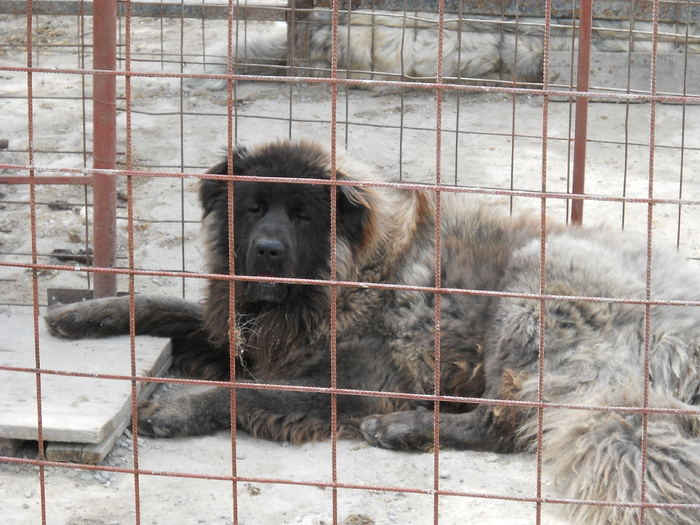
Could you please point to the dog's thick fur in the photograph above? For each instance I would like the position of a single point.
(594, 351)
(381, 45)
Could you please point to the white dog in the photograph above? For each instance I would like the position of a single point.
(380, 45)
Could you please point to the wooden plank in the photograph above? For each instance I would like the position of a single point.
(93, 453)
(68, 295)
(9, 447)
(74, 409)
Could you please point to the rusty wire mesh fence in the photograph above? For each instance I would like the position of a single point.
(575, 112)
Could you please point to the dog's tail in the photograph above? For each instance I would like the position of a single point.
(257, 50)
(597, 456)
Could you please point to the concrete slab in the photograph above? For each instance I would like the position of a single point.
(86, 452)
(74, 409)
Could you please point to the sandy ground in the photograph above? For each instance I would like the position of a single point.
(92, 497)
(176, 130)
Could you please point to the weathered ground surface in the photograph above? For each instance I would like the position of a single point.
(174, 133)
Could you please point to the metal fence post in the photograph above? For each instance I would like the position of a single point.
(105, 145)
(581, 131)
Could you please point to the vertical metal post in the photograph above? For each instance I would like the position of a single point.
(105, 144)
(299, 36)
(581, 130)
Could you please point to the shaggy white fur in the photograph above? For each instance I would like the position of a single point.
(401, 46)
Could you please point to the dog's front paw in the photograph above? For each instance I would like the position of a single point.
(95, 318)
(67, 321)
(158, 419)
(186, 415)
(400, 431)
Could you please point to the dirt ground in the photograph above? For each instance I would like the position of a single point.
(184, 130)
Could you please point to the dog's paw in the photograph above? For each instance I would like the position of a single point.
(400, 431)
(185, 415)
(67, 321)
(95, 318)
(157, 420)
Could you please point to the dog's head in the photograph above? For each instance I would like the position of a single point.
(281, 228)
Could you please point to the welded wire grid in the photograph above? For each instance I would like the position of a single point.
(524, 155)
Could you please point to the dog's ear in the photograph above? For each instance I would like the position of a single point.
(213, 191)
(353, 213)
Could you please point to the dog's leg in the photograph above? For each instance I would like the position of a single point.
(487, 428)
(155, 315)
(186, 415)
(193, 353)
(270, 414)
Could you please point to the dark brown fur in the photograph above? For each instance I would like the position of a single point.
(385, 338)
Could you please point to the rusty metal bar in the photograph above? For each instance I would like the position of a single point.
(232, 137)
(539, 457)
(437, 357)
(34, 257)
(150, 10)
(48, 179)
(360, 284)
(334, 233)
(602, 95)
(581, 131)
(647, 374)
(105, 145)
(669, 11)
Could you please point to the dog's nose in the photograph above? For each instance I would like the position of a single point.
(269, 249)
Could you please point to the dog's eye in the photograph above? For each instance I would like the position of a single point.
(301, 216)
(255, 209)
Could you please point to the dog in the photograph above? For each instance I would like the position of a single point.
(380, 45)
(598, 345)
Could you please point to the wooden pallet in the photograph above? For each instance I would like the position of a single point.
(81, 416)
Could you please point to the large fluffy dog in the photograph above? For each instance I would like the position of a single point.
(594, 351)
(381, 45)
